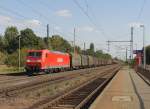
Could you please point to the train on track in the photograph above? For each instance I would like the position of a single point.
(54, 61)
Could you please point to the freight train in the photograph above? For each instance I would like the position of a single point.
(54, 61)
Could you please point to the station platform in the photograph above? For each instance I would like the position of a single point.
(126, 91)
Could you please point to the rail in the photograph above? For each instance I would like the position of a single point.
(144, 74)
(80, 97)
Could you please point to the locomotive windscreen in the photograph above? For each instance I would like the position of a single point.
(35, 54)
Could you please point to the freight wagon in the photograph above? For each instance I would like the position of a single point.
(54, 61)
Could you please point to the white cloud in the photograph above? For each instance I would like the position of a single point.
(33, 23)
(5, 20)
(64, 13)
(86, 29)
(57, 28)
(9, 21)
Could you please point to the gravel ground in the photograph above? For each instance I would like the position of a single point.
(29, 98)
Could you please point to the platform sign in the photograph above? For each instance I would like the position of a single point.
(137, 51)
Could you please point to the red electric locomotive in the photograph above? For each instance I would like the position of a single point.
(45, 60)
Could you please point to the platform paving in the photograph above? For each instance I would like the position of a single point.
(126, 91)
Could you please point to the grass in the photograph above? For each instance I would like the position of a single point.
(4, 69)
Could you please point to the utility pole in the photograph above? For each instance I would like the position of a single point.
(74, 40)
(19, 54)
(47, 36)
(126, 54)
(108, 49)
(84, 49)
(84, 46)
(144, 48)
(131, 43)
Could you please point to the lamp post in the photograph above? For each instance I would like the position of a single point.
(144, 49)
(19, 54)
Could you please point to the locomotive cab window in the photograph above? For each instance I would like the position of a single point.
(35, 54)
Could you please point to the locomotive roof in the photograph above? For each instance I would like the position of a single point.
(58, 52)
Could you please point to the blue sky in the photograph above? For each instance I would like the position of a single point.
(112, 19)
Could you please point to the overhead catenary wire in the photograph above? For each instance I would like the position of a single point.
(42, 15)
(52, 10)
(13, 12)
(141, 10)
(89, 18)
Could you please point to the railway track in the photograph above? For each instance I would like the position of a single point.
(80, 97)
(40, 83)
(144, 74)
(4, 79)
(8, 81)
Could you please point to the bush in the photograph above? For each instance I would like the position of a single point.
(2, 58)
(13, 59)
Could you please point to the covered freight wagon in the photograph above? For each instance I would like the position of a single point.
(75, 60)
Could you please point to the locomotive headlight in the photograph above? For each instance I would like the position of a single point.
(38, 61)
(28, 60)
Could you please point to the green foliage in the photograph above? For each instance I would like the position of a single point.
(90, 51)
(92, 47)
(28, 38)
(148, 54)
(13, 59)
(10, 38)
(40, 43)
(59, 44)
(98, 53)
(102, 55)
(2, 44)
(2, 58)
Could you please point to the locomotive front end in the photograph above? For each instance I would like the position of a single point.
(34, 61)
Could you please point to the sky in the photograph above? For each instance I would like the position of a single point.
(95, 21)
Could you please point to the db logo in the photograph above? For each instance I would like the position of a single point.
(60, 60)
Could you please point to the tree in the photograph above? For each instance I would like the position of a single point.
(2, 44)
(92, 47)
(28, 39)
(148, 54)
(13, 60)
(59, 44)
(90, 51)
(99, 53)
(2, 57)
(10, 39)
(78, 49)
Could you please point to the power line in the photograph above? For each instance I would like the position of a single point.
(141, 10)
(88, 16)
(24, 17)
(41, 15)
(34, 10)
(12, 11)
(87, 5)
(45, 5)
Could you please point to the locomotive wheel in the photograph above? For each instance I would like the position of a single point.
(29, 72)
(47, 71)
